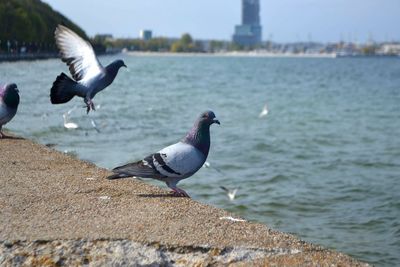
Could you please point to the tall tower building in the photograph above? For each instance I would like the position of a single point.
(249, 32)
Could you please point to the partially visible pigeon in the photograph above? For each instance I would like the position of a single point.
(177, 161)
(89, 76)
(9, 100)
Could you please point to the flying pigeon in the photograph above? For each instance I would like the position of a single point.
(175, 162)
(9, 100)
(89, 76)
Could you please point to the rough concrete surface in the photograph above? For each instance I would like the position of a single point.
(57, 210)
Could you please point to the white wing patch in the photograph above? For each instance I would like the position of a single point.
(182, 158)
(78, 54)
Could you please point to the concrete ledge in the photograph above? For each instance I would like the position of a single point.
(57, 210)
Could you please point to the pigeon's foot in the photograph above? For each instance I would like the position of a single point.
(89, 106)
(3, 135)
(92, 105)
(177, 192)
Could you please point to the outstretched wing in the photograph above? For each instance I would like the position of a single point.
(78, 54)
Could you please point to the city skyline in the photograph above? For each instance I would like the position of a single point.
(249, 32)
(282, 21)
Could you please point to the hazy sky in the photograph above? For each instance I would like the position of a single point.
(282, 20)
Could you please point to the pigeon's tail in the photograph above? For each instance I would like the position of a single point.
(118, 176)
(63, 89)
(137, 169)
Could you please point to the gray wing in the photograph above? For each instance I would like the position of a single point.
(6, 113)
(78, 54)
(176, 161)
(179, 160)
(141, 168)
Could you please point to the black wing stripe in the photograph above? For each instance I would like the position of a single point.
(160, 161)
(149, 160)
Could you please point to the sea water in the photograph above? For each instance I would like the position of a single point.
(323, 164)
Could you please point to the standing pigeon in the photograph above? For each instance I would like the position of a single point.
(90, 77)
(177, 161)
(9, 100)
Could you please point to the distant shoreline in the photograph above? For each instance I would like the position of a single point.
(34, 56)
(229, 54)
(256, 54)
(43, 56)
(26, 56)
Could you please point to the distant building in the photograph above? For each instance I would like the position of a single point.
(249, 32)
(389, 49)
(146, 35)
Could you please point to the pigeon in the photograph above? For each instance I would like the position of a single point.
(89, 76)
(264, 111)
(175, 162)
(9, 101)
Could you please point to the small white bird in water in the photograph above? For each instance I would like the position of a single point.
(264, 111)
(230, 193)
(69, 124)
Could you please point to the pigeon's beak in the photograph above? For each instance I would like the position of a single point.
(216, 121)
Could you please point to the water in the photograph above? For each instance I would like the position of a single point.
(324, 164)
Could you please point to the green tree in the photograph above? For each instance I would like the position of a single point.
(186, 44)
(31, 22)
(186, 40)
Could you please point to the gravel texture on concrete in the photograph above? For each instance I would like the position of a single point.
(58, 210)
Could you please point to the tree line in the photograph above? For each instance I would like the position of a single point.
(30, 25)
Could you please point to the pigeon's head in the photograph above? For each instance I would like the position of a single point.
(114, 67)
(199, 135)
(11, 96)
(208, 118)
(119, 63)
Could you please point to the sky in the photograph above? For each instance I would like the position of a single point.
(282, 20)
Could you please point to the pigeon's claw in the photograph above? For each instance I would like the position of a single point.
(177, 192)
(92, 105)
(89, 105)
